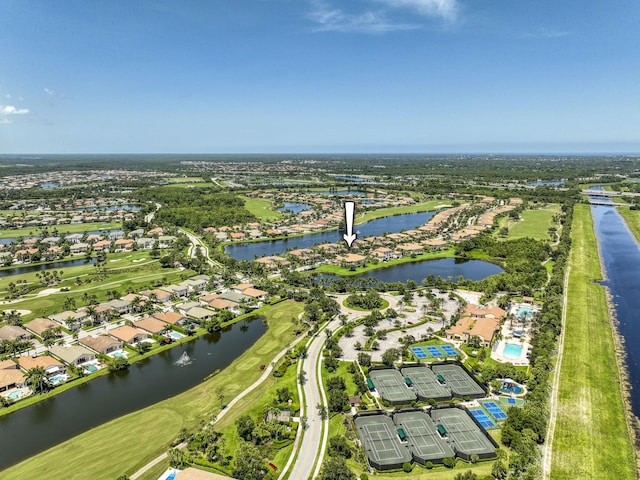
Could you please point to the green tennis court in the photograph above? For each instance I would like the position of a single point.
(457, 378)
(426, 384)
(381, 442)
(423, 438)
(466, 437)
(391, 386)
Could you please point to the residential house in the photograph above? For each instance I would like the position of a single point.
(71, 320)
(123, 245)
(14, 332)
(40, 325)
(200, 313)
(172, 318)
(102, 246)
(50, 365)
(72, 354)
(79, 248)
(145, 243)
(102, 344)
(177, 290)
(11, 378)
(161, 296)
(119, 306)
(129, 334)
(165, 241)
(151, 325)
(408, 249)
(351, 260)
(73, 238)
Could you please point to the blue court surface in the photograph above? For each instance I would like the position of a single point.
(511, 401)
(435, 351)
(419, 352)
(482, 418)
(495, 411)
(448, 350)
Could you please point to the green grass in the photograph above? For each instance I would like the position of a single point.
(334, 269)
(127, 443)
(261, 208)
(632, 218)
(185, 180)
(75, 228)
(388, 211)
(591, 436)
(534, 223)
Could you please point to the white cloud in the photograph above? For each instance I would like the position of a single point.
(4, 121)
(446, 9)
(11, 110)
(331, 19)
(48, 91)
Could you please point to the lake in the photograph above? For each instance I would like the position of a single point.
(47, 423)
(393, 224)
(620, 256)
(295, 208)
(18, 270)
(417, 271)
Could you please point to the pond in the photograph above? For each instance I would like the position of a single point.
(392, 224)
(49, 422)
(295, 208)
(447, 268)
(8, 272)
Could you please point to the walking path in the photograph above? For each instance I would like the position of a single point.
(547, 450)
(227, 407)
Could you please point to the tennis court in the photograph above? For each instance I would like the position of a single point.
(391, 386)
(419, 353)
(422, 436)
(482, 418)
(448, 350)
(380, 441)
(426, 384)
(466, 437)
(495, 411)
(434, 351)
(459, 380)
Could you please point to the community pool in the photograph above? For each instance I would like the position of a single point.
(508, 387)
(512, 350)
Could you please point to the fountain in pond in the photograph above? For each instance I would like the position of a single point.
(184, 359)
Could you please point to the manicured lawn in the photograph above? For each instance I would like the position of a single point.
(261, 208)
(127, 443)
(591, 437)
(534, 224)
(75, 228)
(185, 180)
(385, 212)
(448, 253)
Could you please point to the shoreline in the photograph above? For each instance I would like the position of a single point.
(632, 421)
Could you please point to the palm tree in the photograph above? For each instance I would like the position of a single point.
(38, 380)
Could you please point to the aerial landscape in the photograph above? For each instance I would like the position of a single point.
(271, 240)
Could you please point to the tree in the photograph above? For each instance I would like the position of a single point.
(38, 380)
(245, 426)
(178, 458)
(468, 475)
(390, 356)
(335, 468)
(499, 471)
(338, 445)
(283, 395)
(118, 363)
(364, 359)
(250, 465)
(322, 411)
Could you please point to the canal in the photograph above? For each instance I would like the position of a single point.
(49, 422)
(620, 255)
(392, 224)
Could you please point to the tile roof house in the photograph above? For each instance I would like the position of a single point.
(101, 344)
(173, 318)
(11, 378)
(50, 365)
(151, 325)
(13, 332)
(72, 354)
(129, 334)
(39, 325)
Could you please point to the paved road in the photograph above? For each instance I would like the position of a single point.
(314, 441)
(196, 243)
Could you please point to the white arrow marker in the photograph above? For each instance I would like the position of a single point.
(349, 237)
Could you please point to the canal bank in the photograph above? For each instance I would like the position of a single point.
(137, 438)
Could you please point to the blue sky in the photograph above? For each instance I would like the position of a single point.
(218, 76)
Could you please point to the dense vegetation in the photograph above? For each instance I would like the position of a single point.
(197, 208)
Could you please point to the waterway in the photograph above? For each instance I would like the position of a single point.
(393, 224)
(447, 268)
(49, 422)
(8, 272)
(295, 208)
(620, 254)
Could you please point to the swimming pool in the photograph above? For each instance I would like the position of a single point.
(119, 355)
(512, 350)
(525, 311)
(174, 335)
(56, 379)
(91, 368)
(14, 395)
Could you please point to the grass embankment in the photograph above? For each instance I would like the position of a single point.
(632, 218)
(534, 223)
(389, 211)
(334, 269)
(127, 443)
(591, 436)
(261, 208)
(75, 228)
